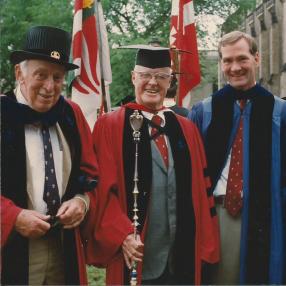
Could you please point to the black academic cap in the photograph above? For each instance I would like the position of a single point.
(150, 56)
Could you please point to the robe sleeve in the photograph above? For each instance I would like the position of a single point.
(203, 200)
(283, 175)
(9, 213)
(111, 223)
(87, 181)
(283, 148)
(209, 224)
(88, 164)
(196, 115)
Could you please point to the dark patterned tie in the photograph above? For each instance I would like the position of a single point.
(160, 140)
(233, 198)
(51, 191)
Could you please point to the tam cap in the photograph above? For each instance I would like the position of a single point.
(45, 43)
(151, 56)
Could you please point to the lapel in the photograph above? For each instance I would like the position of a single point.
(157, 158)
(13, 155)
(66, 158)
(171, 169)
(31, 202)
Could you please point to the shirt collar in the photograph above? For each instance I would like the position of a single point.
(160, 113)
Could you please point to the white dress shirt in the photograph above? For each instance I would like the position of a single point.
(35, 160)
(160, 113)
(220, 188)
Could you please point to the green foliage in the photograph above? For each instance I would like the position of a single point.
(122, 62)
(132, 22)
(128, 22)
(16, 17)
(137, 19)
(209, 68)
(236, 19)
(220, 8)
(96, 276)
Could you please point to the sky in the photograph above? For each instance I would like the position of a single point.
(210, 24)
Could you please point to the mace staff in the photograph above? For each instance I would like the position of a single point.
(136, 121)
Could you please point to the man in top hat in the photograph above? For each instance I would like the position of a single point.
(244, 130)
(47, 166)
(177, 225)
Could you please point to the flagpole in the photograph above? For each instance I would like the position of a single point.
(106, 106)
(176, 66)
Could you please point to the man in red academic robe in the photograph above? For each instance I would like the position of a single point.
(177, 224)
(47, 166)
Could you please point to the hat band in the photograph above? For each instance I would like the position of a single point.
(53, 54)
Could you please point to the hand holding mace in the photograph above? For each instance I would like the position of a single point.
(136, 121)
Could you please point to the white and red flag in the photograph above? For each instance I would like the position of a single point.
(90, 51)
(183, 37)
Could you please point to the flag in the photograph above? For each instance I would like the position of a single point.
(183, 38)
(89, 42)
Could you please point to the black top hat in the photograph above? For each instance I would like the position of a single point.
(46, 43)
(151, 56)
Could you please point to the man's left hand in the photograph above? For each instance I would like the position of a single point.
(71, 213)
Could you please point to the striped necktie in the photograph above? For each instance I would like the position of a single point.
(160, 139)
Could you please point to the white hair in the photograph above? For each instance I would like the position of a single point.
(24, 67)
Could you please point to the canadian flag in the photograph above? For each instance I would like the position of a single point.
(183, 37)
(90, 52)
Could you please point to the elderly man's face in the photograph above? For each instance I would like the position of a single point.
(150, 91)
(41, 83)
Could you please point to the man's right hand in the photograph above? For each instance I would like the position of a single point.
(32, 224)
(132, 249)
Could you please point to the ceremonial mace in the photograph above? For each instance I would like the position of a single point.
(136, 121)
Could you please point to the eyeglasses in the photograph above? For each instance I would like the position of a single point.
(159, 76)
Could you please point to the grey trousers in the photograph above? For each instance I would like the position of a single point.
(226, 272)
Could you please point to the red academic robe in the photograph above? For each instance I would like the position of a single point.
(88, 164)
(112, 225)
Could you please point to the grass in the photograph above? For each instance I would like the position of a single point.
(96, 276)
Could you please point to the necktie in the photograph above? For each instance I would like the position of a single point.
(51, 192)
(160, 140)
(233, 198)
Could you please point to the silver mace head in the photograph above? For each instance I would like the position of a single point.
(136, 121)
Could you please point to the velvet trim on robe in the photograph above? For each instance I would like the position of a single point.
(112, 224)
(182, 253)
(260, 144)
(13, 161)
(201, 115)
